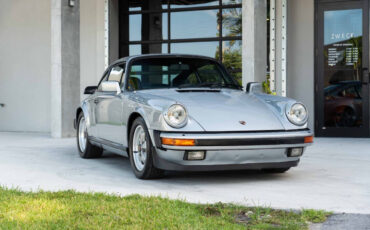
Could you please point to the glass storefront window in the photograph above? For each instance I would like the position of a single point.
(200, 48)
(165, 26)
(232, 22)
(135, 8)
(232, 58)
(189, 31)
(135, 27)
(136, 22)
(230, 2)
(164, 48)
(194, 24)
(343, 68)
(136, 49)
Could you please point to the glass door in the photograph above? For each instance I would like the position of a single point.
(342, 74)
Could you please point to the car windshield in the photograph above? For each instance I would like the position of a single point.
(157, 73)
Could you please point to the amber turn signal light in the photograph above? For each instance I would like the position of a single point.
(178, 142)
(308, 139)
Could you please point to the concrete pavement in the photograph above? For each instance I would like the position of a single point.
(334, 175)
(344, 222)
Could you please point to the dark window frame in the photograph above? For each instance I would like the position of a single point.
(220, 38)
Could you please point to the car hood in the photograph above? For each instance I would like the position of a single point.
(224, 110)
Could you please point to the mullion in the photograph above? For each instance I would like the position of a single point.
(184, 40)
(186, 9)
(168, 27)
(220, 31)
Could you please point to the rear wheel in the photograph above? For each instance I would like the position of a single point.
(275, 170)
(85, 148)
(346, 118)
(141, 152)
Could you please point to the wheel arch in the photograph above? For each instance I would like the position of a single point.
(140, 112)
(133, 116)
(79, 110)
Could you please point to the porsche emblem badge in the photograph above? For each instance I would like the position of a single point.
(242, 122)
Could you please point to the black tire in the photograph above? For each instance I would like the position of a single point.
(275, 170)
(347, 118)
(149, 171)
(90, 151)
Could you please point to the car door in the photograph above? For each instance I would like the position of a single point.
(91, 107)
(109, 108)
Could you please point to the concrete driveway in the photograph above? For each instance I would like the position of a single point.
(333, 175)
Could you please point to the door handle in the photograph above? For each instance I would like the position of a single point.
(96, 100)
(2, 105)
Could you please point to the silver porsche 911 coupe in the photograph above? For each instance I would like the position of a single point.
(186, 113)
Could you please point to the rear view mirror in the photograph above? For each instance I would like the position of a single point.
(90, 89)
(110, 86)
(254, 87)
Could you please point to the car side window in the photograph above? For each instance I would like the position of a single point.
(104, 78)
(114, 74)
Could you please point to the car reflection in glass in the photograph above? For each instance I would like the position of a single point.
(343, 104)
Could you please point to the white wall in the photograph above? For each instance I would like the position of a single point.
(91, 42)
(254, 41)
(25, 65)
(300, 72)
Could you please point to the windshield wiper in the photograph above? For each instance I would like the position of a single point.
(210, 85)
(186, 85)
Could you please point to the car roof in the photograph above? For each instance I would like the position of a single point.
(143, 56)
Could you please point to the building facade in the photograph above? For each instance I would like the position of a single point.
(316, 51)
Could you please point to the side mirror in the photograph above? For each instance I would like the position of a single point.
(110, 86)
(254, 87)
(90, 89)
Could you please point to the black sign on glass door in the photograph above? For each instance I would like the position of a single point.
(342, 96)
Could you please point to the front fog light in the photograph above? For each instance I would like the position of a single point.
(194, 155)
(295, 152)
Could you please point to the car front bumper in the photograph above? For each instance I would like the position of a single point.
(231, 151)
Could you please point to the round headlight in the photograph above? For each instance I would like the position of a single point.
(176, 116)
(297, 114)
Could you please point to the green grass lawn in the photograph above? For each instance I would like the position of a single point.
(72, 210)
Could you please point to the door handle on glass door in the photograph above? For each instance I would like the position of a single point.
(365, 76)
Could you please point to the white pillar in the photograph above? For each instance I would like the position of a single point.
(56, 68)
(254, 41)
(65, 66)
(281, 47)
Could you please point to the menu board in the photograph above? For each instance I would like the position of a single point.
(351, 55)
(345, 53)
(333, 56)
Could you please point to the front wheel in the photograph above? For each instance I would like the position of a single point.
(85, 148)
(141, 152)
